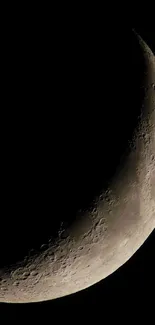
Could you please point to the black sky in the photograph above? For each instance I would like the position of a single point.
(135, 278)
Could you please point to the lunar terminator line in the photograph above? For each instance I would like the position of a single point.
(108, 233)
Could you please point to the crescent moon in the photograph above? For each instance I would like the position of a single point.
(105, 236)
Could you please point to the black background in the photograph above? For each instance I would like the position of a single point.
(134, 279)
(128, 289)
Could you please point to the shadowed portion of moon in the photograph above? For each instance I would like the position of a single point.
(54, 157)
(70, 143)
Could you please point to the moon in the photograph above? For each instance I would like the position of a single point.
(106, 233)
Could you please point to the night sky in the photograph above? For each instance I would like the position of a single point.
(134, 279)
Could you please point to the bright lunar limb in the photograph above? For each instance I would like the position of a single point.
(106, 235)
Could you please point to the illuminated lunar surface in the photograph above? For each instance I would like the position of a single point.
(107, 234)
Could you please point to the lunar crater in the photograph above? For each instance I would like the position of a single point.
(101, 207)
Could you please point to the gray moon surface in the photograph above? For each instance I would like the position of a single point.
(106, 235)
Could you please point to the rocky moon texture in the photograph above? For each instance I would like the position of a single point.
(105, 235)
